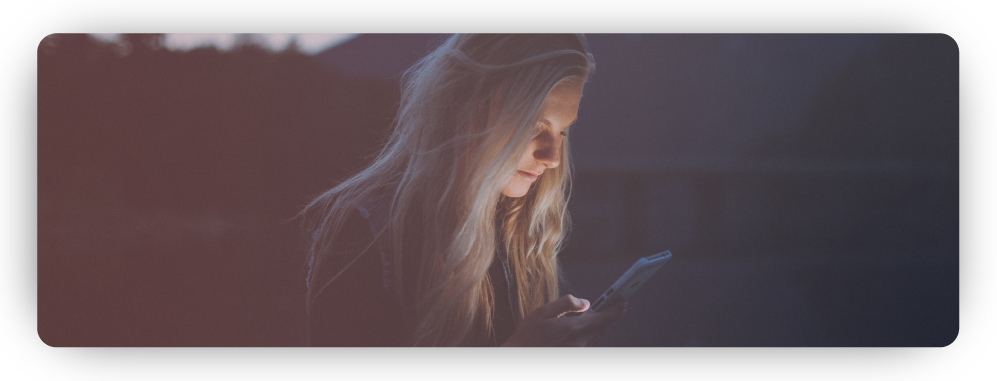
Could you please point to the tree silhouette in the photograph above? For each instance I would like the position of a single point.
(164, 176)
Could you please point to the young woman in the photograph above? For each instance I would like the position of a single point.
(450, 237)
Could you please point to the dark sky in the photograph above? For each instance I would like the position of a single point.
(661, 98)
(701, 96)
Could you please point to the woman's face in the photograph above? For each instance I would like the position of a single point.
(559, 111)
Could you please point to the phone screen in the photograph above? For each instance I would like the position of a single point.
(631, 280)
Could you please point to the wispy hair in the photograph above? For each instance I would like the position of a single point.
(468, 111)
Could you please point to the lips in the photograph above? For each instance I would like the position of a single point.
(528, 175)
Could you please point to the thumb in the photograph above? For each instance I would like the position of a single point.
(563, 305)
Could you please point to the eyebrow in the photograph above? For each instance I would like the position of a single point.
(544, 120)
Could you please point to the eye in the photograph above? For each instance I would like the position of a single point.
(564, 133)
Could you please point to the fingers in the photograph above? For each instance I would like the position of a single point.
(546, 326)
(594, 320)
(563, 305)
(583, 305)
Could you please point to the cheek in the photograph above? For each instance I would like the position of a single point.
(526, 159)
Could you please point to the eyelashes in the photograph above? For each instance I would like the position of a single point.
(563, 133)
(539, 131)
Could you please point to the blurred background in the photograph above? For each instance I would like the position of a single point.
(807, 185)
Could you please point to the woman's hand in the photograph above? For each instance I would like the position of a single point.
(548, 327)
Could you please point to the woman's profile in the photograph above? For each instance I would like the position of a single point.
(450, 236)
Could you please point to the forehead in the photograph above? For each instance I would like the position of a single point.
(562, 102)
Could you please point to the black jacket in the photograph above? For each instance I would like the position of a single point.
(362, 306)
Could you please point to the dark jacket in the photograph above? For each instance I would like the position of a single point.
(362, 306)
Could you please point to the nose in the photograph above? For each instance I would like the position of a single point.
(548, 149)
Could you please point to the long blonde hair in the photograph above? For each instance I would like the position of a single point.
(468, 111)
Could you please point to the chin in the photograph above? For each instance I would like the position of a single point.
(514, 194)
(516, 190)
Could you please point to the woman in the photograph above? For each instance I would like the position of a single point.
(450, 237)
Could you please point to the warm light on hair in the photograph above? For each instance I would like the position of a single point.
(442, 171)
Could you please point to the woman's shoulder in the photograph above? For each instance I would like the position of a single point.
(362, 227)
(374, 209)
(362, 224)
(353, 253)
(354, 304)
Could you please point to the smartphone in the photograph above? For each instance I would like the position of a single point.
(632, 279)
